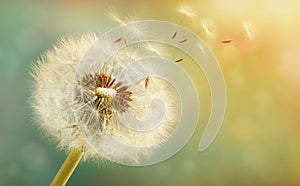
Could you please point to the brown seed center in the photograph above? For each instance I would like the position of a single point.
(107, 96)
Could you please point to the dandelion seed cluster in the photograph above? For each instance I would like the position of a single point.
(98, 107)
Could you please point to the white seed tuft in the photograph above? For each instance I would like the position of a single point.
(91, 110)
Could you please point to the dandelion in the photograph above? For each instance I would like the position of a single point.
(99, 111)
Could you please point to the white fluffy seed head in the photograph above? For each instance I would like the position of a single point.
(67, 110)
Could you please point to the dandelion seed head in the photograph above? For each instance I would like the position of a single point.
(103, 106)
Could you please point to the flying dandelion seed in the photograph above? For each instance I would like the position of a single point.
(248, 27)
(248, 31)
(186, 10)
(121, 20)
(208, 27)
(159, 50)
(130, 17)
(115, 16)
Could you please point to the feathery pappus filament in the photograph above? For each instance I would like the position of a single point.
(208, 27)
(186, 10)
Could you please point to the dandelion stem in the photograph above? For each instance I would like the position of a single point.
(67, 168)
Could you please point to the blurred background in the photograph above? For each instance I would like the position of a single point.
(257, 44)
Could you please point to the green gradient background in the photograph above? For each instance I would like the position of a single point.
(259, 142)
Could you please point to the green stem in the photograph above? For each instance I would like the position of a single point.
(67, 168)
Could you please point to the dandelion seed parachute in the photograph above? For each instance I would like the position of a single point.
(248, 29)
(209, 28)
(186, 10)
